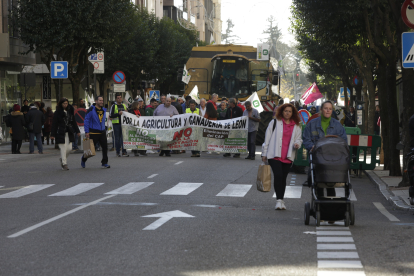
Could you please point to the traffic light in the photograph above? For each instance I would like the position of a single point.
(297, 77)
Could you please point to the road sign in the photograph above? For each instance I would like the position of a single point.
(407, 13)
(118, 77)
(164, 217)
(80, 114)
(154, 94)
(59, 69)
(342, 93)
(98, 67)
(408, 50)
(101, 56)
(355, 80)
(119, 87)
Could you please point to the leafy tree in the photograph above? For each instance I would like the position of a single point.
(228, 36)
(71, 30)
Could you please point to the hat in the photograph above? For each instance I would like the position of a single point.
(140, 100)
(16, 107)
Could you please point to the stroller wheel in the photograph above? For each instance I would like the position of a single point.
(307, 213)
(318, 218)
(346, 220)
(352, 214)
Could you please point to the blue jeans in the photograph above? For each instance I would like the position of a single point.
(38, 139)
(75, 144)
(119, 142)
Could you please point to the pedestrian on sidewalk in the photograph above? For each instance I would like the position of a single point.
(95, 130)
(283, 138)
(17, 123)
(34, 121)
(254, 120)
(48, 125)
(115, 114)
(166, 109)
(64, 129)
(233, 111)
(319, 128)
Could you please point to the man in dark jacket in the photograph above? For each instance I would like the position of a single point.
(376, 117)
(350, 117)
(176, 105)
(233, 111)
(35, 120)
(25, 107)
(17, 124)
(95, 129)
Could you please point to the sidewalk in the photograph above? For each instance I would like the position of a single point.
(388, 185)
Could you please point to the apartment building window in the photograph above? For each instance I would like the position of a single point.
(166, 13)
(214, 10)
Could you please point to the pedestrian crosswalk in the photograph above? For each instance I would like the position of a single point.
(179, 189)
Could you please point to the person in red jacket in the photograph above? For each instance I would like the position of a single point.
(213, 100)
(239, 104)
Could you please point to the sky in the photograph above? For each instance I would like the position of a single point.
(249, 18)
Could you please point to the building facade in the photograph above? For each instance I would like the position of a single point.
(154, 6)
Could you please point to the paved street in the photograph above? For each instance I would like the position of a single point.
(97, 221)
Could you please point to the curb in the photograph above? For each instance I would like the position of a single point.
(396, 201)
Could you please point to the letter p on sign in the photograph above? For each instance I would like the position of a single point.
(59, 70)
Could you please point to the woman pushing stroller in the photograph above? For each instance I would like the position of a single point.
(319, 128)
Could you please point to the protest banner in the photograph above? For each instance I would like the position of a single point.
(184, 132)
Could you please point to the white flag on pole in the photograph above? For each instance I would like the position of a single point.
(186, 76)
(254, 99)
(194, 94)
(212, 40)
(128, 99)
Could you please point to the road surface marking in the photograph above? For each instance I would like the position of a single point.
(383, 211)
(333, 233)
(332, 228)
(340, 264)
(334, 239)
(26, 190)
(341, 192)
(206, 206)
(337, 255)
(57, 217)
(334, 246)
(78, 189)
(164, 217)
(178, 163)
(235, 190)
(292, 181)
(130, 188)
(341, 273)
(152, 175)
(292, 192)
(182, 189)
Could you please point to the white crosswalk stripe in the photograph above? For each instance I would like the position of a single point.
(340, 264)
(292, 192)
(182, 188)
(130, 188)
(336, 246)
(337, 255)
(26, 190)
(78, 189)
(235, 190)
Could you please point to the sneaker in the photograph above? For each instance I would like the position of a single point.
(82, 163)
(197, 155)
(283, 205)
(112, 149)
(237, 155)
(124, 154)
(150, 152)
(119, 155)
(105, 166)
(248, 157)
(65, 168)
(227, 155)
(278, 204)
(161, 154)
(61, 164)
(209, 152)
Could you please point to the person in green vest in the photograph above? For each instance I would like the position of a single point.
(193, 109)
(115, 115)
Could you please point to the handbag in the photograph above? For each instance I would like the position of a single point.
(264, 178)
(88, 148)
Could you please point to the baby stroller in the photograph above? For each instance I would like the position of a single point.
(329, 165)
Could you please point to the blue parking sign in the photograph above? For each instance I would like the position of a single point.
(408, 50)
(59, 70)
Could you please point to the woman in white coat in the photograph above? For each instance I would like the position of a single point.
(283, 138)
